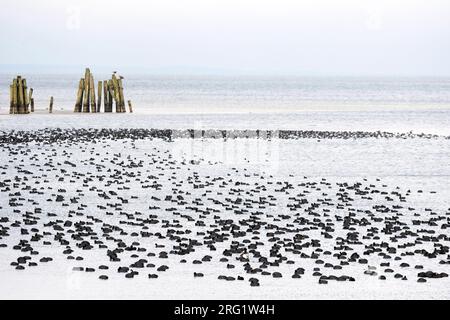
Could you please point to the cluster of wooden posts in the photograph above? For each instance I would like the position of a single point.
(21, 100)
(112, 92)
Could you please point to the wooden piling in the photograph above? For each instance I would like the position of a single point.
(111, 93)
(79, 102)
(86, 97)
(130, 106)
(31, 100)
(14, 97)
(26, 103)
(111, 96)
(99, 97)
(92, 94)
(20, 97)
(121, 97)
(11, 94)
(105, 95)
(116, 92)
(50, 108)
(21, 100)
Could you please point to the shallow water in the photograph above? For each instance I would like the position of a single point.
(412, 164)
(409, 164)
(249, 94)
(419, 121)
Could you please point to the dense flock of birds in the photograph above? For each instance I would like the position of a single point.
(125, 197)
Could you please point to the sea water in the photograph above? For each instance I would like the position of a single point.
(206, 94)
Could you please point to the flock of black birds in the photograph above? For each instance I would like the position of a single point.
(52, 135)
(123, 194)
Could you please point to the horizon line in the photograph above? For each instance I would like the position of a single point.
(185, 70)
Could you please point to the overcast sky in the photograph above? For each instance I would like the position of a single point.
(320, 37)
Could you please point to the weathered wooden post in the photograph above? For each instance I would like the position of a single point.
(14, 97)
(86, 99)
(130, 106)
(31, 100)
(25, 97)
(121, 97)
(50, 108)
(111, 96)
(116, 92)
(11, 105)
(21, 102)
(105, 95)
(79, 102)
(92, 93)
(99, 101)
